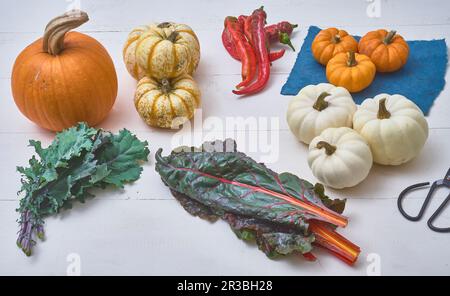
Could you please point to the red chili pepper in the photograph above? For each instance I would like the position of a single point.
(241, 19)
(309, 256)
(280, 33)
(244, 50)
(231, 48)
(275, 33)
(258, 20)
(272, 33)
(275, 55)
(286, 27)
(248, 29)
(229, 45)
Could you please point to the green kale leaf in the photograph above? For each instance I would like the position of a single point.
(79, 159)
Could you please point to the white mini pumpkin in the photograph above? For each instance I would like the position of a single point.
(394, 127)
(317, 107)
(339, 157)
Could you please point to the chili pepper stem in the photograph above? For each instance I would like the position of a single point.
(285, 39)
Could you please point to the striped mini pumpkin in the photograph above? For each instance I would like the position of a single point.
(167, 103)
(164, 50)
(129, 52)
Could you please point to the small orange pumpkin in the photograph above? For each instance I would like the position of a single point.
(353, 71)
(329, 42)
(387, 50)
(62, 79)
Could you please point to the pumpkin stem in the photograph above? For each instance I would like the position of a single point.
(165, 86)
(173, 36)
(164, 25)
(389, 36)
(329, 149)
(383, 113)
(320, 103)
(336, 38)
(351, 62)
(56, 29)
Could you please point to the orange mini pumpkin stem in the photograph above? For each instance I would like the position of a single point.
(389, 36)
(56, 29)
(336, 38)
(351, 62)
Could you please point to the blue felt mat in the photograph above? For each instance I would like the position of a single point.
(421, 79)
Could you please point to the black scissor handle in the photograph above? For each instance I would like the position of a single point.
(425, 203)
(436, 214)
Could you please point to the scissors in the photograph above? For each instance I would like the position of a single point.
(436, 184)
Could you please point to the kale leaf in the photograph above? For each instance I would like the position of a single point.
(79, 159)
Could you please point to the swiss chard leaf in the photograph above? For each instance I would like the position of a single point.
(235, 183)
(274, 240)
(260, 205)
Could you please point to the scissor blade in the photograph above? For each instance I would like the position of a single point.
(447, 178)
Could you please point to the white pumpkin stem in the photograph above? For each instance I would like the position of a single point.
(383, 113)
(329, 149)
(165, 86)
(351, 62)
(56, 29)
(320, 103)
(389, 36)
(336, 39)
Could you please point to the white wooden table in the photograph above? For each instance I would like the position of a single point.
(142, 230)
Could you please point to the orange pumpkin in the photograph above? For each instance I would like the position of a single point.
(329, 42)
(62, 79)
(387, 50)
(353, 71)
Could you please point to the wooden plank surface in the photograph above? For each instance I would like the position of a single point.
(142, 229)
